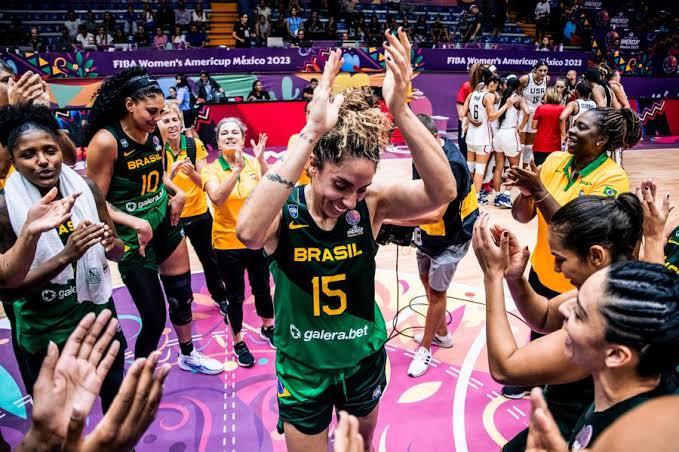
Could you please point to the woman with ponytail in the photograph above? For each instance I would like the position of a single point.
(586, 235)
(125, 159)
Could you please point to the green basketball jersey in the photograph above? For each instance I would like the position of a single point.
(326, 314)
(52, 312)
(672, 251)
(137, 182)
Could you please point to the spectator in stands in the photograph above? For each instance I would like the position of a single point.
(349, 10)
(199, 15)
(543, 45)
(439, 33)
(295, 4)
(308, 92)
(279, 28)
(391, 24)
(331, 28)
(263, 10)
(498, 17)
(208, 89)
(293, 24)
(35, 41)
(374, 31)
(130, 20)
(405, 25)
(301, 40)
(258, 92)
(241, 32)
(182, 16)
(72, 22)
(109, 23)
(542, 12)
(103, 39)
(91, 23)
(474, 21)
(262, 31)
(178, 38)
(421, 31)
(149, 18)
(195, 38)
(185, 100)
(160, 39)
(313, 27)
(173, 93)
(119, 36)
(140, 38)
(64, 42)
(82, 38)
(356, 32)
(164, 16)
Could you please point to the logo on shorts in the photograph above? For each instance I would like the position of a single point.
(610, 191)
(377, 393)
(156, 143)
(124, 143)
(131, 206)
(353, 217)
(293, 210)
(294, 332)
(48, 295)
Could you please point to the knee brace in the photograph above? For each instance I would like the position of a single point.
(527, 153)
(480, 168)
(179, 297)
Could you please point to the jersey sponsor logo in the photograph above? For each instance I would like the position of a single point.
(328, 336)
(49, 295)
(353, 217)
(140, 163)
(338, 253)
(132, 206)
(128, 153)
(292, 226)
(293, 210)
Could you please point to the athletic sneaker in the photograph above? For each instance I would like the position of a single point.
(224, 307)
(503, 200)
(267, 335)
(197, 362)
(483, 198)
(243, 356)
(420, 362)
(515, 392)
(440, 341)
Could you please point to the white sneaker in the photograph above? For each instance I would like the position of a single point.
(197, 362)
(440, 341)
(420, 362)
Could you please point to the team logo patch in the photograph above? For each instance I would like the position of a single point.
(354, 231)
(282, 390)
(156, 143)
(353, 217)
(93, 276)
(124, 143)
(610, 191)
(583, 438)
(294, 332)
(293, 210)
(48, 295)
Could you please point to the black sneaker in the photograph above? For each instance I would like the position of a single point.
(243, 356)
(267, 335)
(223, 307)
(515, 392)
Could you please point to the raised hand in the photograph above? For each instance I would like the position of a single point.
(132, 411)
(258, 148)
(399, 71)
(493, 257)
(526, 180)
(27, 89)
(543, 433)
(518, 255)
(73, 380)
(324, 110)
(47, 213)
(655, 215)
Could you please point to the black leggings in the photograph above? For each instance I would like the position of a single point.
(199, 231)
(109, 389)
(146, 291)
(232, 265)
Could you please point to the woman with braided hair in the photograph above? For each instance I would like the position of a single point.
(320, 237)
(125, 159)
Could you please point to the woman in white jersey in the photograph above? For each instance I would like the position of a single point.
(534, 86)
(478, 108)
(506, 141)
(575, 108)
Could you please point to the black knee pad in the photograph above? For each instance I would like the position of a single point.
(179, 297)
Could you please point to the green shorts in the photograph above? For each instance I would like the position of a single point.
(166, 238)
(306, 397)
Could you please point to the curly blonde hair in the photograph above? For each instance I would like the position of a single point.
(362, 130)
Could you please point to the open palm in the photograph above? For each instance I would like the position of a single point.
(399, 70)
(47, 213)
(324, 111)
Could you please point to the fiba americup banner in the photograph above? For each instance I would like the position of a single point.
(367, 60)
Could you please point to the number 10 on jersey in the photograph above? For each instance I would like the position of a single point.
(322, 284)
(149, 182)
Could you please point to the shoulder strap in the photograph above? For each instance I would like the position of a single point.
(191, 150)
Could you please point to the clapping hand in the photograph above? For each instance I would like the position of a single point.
(324, 109)
(399, 71)
(47, 213)
(493, 257)
(543, 433)
(655, 214)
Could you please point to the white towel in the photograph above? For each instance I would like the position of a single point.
(93, 275)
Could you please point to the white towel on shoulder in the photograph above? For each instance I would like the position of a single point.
(92, 275)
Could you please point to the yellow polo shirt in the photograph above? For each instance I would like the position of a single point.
(3, 180)
(225, 216)
(196, 201)
(601, 177)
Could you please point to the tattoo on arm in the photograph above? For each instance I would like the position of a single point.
(276, 178)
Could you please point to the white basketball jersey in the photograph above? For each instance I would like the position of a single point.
(481, 135)
(533, 92)
(584, 105)
(511, 119)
